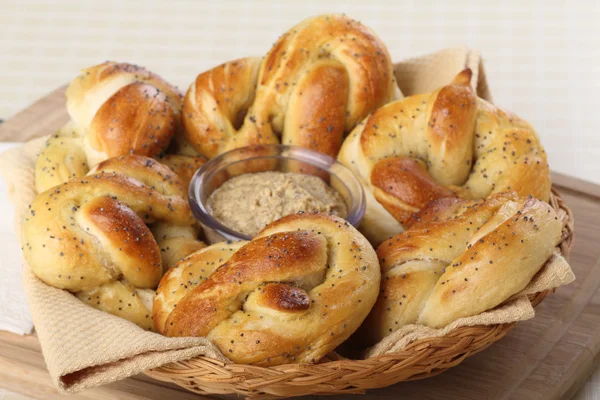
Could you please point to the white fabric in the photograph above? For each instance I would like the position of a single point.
(14, 315)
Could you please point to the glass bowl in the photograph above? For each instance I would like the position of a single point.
(269, 158)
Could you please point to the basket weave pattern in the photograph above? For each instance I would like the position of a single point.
(420, 359)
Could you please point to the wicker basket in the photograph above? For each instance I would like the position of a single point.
(420, 359)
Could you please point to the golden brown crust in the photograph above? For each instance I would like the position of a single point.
(437, 209)
(124, 239)
(137, 119)
(186, 275)
(460, 258)
(464, 145)
(215, 106)
(121, 109)
(184, 166)
(407, 180)
(176, 238)
(89, 91)
(282, 297)
(176, 242)
(91, 231)
(290, 295)
(319, 79)
(151, 173)
(116, 109)
(320, 109)
(280, 257)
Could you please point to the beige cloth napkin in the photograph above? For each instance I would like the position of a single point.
(84, 347)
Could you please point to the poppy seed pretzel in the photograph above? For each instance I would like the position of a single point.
(175, 241)
(460, 258)
(116, 109)
(89, 235)
(184, 166)
(292, 294)
(123, 109)
(318, 80)
(445, 143)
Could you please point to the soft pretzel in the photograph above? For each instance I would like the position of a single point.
(292, 294)
(175, 241)
(62, 158)
(184, 166)
(89, 235)
(116, 109)
(458, 259)
(320, 78)
(440, 144)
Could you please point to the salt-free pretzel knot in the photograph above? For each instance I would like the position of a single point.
(116, 109)
(440, 144)
(292, 294)
(90, 235)
(319, 79)
(460, 258)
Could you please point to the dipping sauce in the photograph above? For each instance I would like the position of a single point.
(249, 202)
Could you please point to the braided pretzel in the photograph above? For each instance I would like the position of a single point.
(115, 109)
(440, 144)
(460, 258)
(89, 235)
(292, 294)
(320, 78)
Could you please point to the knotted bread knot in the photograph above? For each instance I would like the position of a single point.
(116, 109)
(459, 258)
(123, 109)
(316, 83)
(440, 144)
(90, 234)
(292, 294)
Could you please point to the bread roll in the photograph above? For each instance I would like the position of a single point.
(116, 109)
(292, 294)
(315, 84)
(90, 235)
(123, 109)
(460, 258)
(433, 145)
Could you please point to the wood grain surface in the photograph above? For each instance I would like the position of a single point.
(548, 357)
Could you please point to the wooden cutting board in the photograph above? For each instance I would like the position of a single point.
(548, 357)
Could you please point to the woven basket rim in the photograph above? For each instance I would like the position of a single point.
(420, 359)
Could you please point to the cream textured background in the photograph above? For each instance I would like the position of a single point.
(542, 57)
